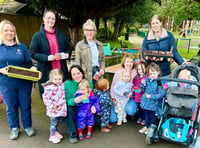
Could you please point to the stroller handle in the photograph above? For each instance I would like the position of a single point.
(180, 80)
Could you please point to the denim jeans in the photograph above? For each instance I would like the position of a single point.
(71, 119)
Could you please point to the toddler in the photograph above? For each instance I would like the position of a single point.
(152, 94)
(85, 112)
(103, 94)
(141, 73)
(54, 100)
(122, 91)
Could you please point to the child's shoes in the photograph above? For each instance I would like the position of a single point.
(109, 126)
(143, 122)
(139, 121)
(105, 130)
(54, 139)
(89, 135)
(58, 135)
(119, 122)
(125, 120)
(143, 130)
(80, 137)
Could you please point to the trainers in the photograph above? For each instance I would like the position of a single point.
(54, 139)
(139, 121)
(143, 130)
(73, 138)
(143, 122)
(119, 122)
(125, 120)
(14, 133)
(29, 131)
(58, 135)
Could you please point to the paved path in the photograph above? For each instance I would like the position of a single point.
(125, 136)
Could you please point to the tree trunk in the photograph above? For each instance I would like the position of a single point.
(106, 28)
(116, 30)
(76, 34)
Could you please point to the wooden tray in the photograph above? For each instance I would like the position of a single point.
(157, 54)
(23, 73)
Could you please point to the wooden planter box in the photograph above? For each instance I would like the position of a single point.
(23, 73)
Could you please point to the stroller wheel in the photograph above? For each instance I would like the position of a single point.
(148, 140)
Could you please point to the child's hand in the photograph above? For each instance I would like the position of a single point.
(93, 110)
(115, 102)
(78, 99)
(148, 96)
(143, 81)
(128, 95)
(122, 94)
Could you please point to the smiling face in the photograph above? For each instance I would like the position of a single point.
(128, 64)
(126, 77)
(141, 69)
(8, 33)
(49, 19)
(156, 25)
(153, 74)
(89, 32)
(57, 79)
(77, 76)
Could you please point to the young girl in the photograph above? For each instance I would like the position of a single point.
(85, 112)
(152, 94)
(103, 94)
(141, 73)
(122, 91)
(54, 99)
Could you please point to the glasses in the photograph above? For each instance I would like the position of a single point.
(89, 30)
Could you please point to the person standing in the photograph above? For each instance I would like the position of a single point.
(89, 52)
(16, 93)
(44, 47)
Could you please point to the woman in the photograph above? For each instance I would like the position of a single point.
(161, 40)
(89, 52)
(76, 75)
(128, 63)
(16, 93)
(44, 47)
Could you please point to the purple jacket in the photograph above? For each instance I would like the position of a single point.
(85, 117)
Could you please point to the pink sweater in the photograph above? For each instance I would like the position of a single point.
(117, 78)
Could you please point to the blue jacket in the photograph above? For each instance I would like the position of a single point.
(151, 87)
(40, 51)
(122, 87)
(16, 55)
(165, 43)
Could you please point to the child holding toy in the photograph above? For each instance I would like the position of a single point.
(54, 99)
(86, 113)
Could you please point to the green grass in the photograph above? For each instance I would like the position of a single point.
(184, 53)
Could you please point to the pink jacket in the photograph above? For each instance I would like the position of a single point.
(117, 78)
(136, 88)
(54, 99)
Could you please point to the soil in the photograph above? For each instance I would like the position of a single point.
(23, 72)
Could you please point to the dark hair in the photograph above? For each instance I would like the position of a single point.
(48, 10)
(79, 68)
(142, 63)
(156, 16)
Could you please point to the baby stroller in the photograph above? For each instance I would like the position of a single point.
(179, 123)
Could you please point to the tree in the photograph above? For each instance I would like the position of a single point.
(76, 12)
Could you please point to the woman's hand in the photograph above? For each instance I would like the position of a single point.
(148, 96)
(66, 55)
(78, 99)
(3, 70)
(122, 94)
(101, 72)
(51, 57)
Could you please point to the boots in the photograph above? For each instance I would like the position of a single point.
(80, 134)
(89, 133)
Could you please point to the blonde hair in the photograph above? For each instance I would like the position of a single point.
(55, 72)
(154, 67)
(126, 72)
(126, 56)
(85, 83)
(185, 74)
(89, 22)
(102, 84)
(2, 24)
